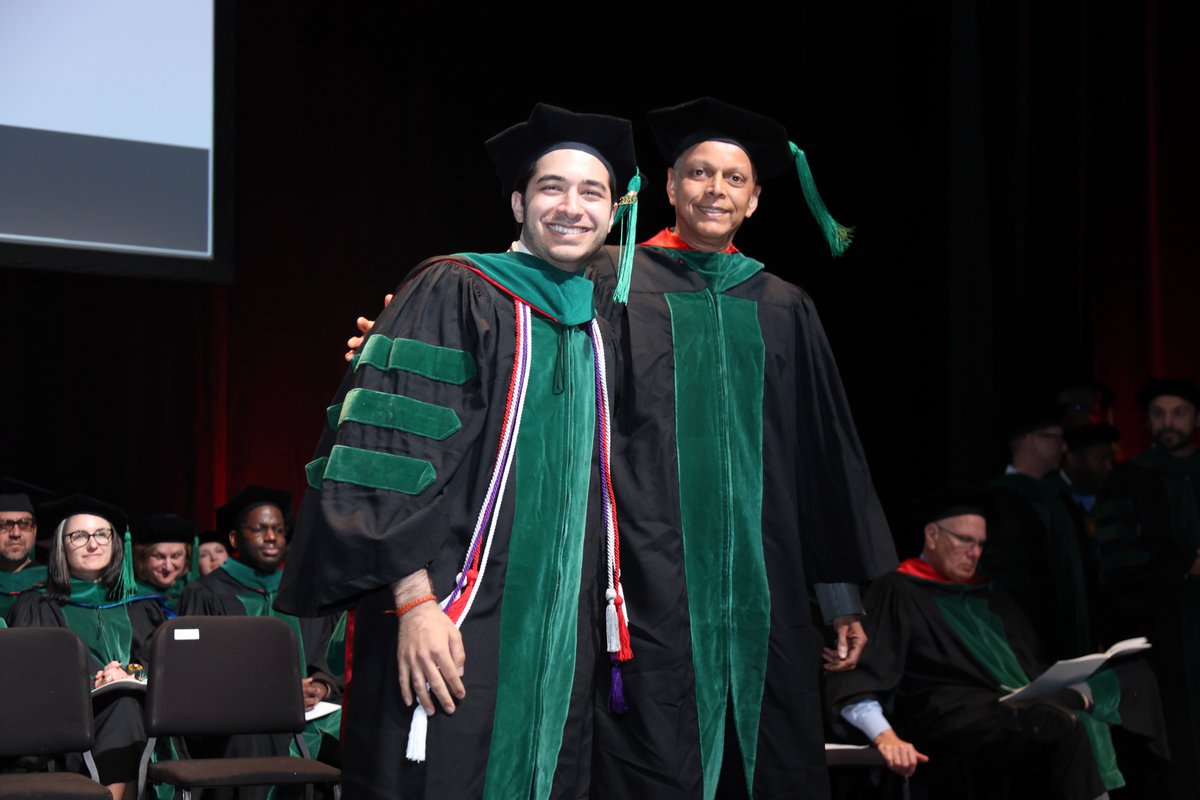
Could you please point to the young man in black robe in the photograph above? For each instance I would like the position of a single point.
(1149, 533)
(1091, 453)
(946, 644)
(256, 521)
(466, 462)
(742, 483)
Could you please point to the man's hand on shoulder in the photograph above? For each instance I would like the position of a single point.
(364, 326)
(851, 639)
(901, 757)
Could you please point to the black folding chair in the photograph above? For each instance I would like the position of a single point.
(46, 709)
(838, 757)
(187, 656)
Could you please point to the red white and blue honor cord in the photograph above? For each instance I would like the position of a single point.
(466, 587)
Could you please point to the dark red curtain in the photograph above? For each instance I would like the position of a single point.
(1020, 175)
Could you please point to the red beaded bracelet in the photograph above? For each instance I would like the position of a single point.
(409, 606)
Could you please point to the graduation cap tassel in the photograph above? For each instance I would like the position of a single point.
(127, 581)
(194, 569)
(627, 216)
(838, 236)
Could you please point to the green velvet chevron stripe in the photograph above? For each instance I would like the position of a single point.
(314, 471)
(372, 469)
(443, 364)
(332, 414)
(384, 410)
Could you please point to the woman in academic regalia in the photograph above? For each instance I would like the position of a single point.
(90, 589)
(165, 555)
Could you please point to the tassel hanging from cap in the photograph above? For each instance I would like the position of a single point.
(194, 569)
(127, 587)
(627, 216)
(838, 236)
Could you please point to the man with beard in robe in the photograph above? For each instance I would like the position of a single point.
(1149, 535)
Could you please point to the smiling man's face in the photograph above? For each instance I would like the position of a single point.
(567, 208)
(713, 190)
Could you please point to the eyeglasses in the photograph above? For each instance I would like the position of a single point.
(25, 524)
(259, 532)
(80, 538)
(963, 542)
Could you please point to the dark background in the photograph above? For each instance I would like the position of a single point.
(1020, 178)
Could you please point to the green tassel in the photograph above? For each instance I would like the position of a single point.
(838, 236)
(627, 216)
(194, 569)
(127, 588)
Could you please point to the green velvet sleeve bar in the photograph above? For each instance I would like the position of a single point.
(409, 413)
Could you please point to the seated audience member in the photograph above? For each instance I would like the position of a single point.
(211, 550)
(163, 555)
(88, 589)
(18, 532)
(946, 645)
(1038, 548)
(256, 522)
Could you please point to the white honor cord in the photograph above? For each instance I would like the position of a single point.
(419, 727)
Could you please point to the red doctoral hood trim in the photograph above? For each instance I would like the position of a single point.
(920, 568)
(669, 239)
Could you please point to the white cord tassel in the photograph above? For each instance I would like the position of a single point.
(416, 735)
(612, 628)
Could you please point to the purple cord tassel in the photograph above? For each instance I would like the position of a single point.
(616, 691)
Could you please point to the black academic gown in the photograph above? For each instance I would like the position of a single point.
(941, 697)
(741, 481)
(117, 716)
(13, 583)
(391, 494)
(171, 595)
(1039, 553)
(1149, 531)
